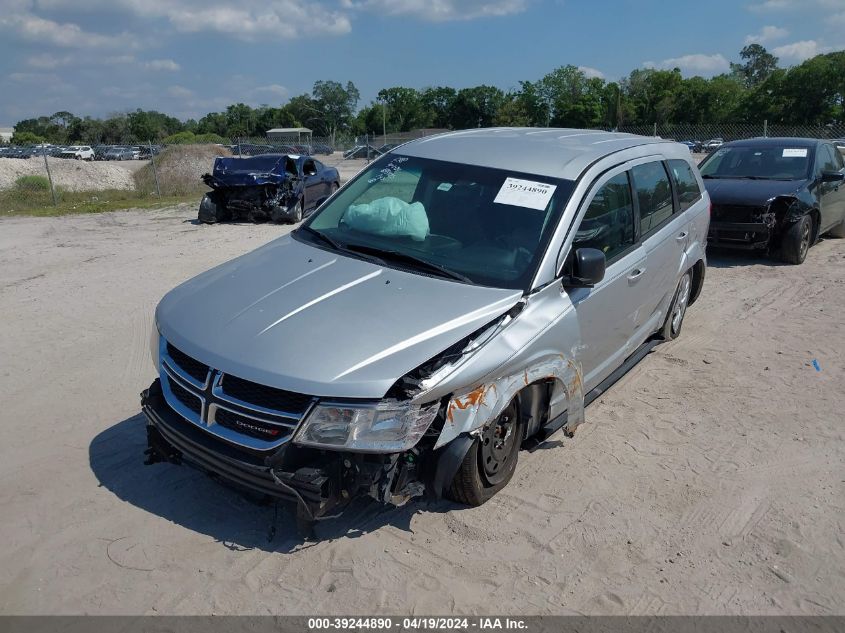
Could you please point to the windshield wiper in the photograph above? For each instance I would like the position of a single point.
(408, 259)
(322, 236)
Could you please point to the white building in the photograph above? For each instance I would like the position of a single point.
(6, 134)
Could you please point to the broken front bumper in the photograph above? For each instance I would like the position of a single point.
(320, 482)
(751, 236)
(170, 438)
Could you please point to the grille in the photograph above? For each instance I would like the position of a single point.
(192, 367)
(736, 213)
(265, 397)
(185, 397)
(249, 426)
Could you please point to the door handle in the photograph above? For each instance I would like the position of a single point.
(636, 274)
(682, 236)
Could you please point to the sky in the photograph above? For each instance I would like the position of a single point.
(190, 57)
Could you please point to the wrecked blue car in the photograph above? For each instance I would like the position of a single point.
(269, 187)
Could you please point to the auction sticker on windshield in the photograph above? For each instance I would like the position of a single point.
(525, 193)
(795, 153)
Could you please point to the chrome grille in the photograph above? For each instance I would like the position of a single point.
(237, 410)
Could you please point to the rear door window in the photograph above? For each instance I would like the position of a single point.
(608, 224)
(688, 190)
(654, 195)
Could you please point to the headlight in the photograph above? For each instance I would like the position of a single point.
(155, 352)
(387, 427)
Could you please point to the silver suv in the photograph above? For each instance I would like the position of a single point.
(462, 297)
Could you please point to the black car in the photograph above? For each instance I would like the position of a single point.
(775, 195)
(276, 187)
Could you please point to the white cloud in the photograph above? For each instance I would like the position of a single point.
(162, 64)
(47, 61)
(440, 10)
(180, 92)
(44, 78)
(767, 34)
(777, 5)
(591, 72)
(68, 35)
(699, 64)
(273, 90)
(800, 51)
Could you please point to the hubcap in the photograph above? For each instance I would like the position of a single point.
(497, 445)
(681, 303)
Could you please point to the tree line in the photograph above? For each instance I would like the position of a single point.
(756, 88)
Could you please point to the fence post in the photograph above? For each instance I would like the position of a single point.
(49, 177)
(239, 147)
(155, 171)
(765, 128)
(367, 145)
(655, 129)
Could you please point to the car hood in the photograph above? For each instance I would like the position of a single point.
(296, 317)
(254, 170)
(757, 193)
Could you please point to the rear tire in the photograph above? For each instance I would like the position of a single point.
(678, 308)
(298, 212)
(491, 460)
(796, 242)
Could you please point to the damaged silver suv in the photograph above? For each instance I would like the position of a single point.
(464, 296)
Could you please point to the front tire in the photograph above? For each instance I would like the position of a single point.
(797, 240)
(490, 461)
(212, 210)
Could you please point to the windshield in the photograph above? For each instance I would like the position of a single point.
(485, 226)
(775, 162)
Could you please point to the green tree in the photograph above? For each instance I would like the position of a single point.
(437, 105)
(476, 107)
(758, 65)
(26, 138)
(405, 109)
(336, 105)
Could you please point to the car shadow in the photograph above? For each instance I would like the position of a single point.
(727, 258)
(238, 519)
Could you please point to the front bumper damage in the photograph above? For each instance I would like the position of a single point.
(319, 482)
(743, 236)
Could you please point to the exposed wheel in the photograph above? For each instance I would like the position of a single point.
(678, 308)
(212, 210)
(838, 230)
(796, 241)
(491, 460)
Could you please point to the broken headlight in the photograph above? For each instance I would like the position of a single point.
(387, 427)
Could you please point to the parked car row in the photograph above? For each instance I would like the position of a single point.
(82, 152)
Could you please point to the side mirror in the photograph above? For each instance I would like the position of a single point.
(832, 176)
(588, 268)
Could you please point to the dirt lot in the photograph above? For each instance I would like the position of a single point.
(709, 480)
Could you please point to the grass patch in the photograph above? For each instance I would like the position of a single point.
(19, 201)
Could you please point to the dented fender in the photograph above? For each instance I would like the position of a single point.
(469, 412)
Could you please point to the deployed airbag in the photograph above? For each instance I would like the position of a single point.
(389, 216)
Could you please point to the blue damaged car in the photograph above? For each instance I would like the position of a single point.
(274, 187)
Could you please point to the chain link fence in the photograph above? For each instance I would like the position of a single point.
(99, 177)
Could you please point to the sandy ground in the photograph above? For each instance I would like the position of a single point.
(708, 481)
